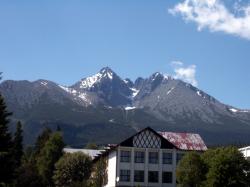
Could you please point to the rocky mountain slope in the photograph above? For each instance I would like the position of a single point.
(106, 108)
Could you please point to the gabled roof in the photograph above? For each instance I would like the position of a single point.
(181, 141)
(164, 142)
(185, 141)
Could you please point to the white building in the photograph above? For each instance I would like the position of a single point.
(149, 158)
(246, 152)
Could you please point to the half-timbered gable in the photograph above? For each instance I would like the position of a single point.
(149, 158)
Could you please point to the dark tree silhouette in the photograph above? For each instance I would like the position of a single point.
(6, 159)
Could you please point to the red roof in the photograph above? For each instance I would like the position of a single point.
(185, 141)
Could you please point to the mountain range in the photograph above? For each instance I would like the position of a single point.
(104, 108)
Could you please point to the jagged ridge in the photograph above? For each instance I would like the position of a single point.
(105, 100)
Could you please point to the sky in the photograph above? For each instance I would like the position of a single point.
(205, 43)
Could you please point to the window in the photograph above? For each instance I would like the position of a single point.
(153, 176)
(167, 177)
(139, 176)
(125, 156)
(167, 158)
(139, 157)
(153, 158)
(125, 175)
(179, 157)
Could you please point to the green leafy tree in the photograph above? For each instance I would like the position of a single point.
(100, 175)
(226, 167)
(6, 159)
(73, 169)
(18, 144)
(215, 168)
(49, 155)
(190, 170)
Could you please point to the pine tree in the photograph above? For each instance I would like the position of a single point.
(49, 155)
(6, 159)
(42, 139)
(17, 144)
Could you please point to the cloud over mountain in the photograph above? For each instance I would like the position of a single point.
(186, 74)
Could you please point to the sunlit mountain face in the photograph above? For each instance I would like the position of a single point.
(104, 108)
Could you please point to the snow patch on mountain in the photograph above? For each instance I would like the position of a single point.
(125, 81)
(236, 110)
(90, 81)
(69, 90)
(169, 91)
(110, 75)
(44, 83)
(130, 108)
(155, 75)
(233, 110)
(199, 93)
(167, 77)
(81, 95)
(134, 92)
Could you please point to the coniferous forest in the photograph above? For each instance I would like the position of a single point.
(44, 164)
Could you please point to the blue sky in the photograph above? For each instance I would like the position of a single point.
(64, 41)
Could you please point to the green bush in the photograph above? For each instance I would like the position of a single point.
(219, 167)
(73, 169)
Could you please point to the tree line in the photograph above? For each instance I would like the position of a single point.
(218, 167)
(45, 164)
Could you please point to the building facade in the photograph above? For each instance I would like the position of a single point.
(149, 158)
(246, 152)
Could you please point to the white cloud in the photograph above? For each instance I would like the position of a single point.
(186, 74)
(176, 63)
(215, 16)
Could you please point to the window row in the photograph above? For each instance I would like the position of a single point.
(153, 157)
(153, 176)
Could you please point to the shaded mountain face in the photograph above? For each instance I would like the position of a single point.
(95, 107)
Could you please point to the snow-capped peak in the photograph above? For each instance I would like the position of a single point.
(90, 81)
(107, 72)
(155, 75)
(162, 75)
(44, 83)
